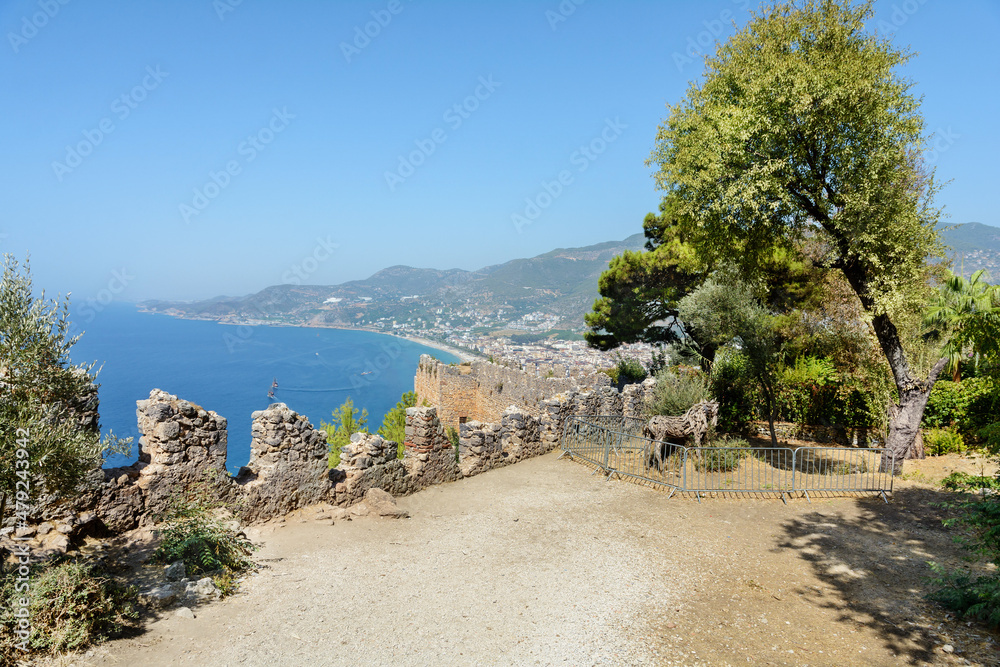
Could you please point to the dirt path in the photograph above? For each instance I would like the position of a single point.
(542, 563)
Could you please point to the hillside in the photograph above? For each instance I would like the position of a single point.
(974, 246)
(551, 291)
(557, 287)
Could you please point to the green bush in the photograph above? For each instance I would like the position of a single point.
(191, 531)
(735, 391)
(963, 481)
(345, 423)
(676, 391)
(722, 455)
(452, 434)
(974, 597)
(71, 604)
(940, 441)
(968, 405)
(628, 370)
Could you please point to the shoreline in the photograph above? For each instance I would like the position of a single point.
(426, 342)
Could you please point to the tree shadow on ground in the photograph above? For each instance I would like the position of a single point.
(877, 564)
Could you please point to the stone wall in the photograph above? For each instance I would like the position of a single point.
(183, 449)
(482, 390)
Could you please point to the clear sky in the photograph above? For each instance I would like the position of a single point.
(185, 149)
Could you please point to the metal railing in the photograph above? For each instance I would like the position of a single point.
(616, 446)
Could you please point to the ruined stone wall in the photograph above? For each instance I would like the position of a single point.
(183, 449)
(483, 390)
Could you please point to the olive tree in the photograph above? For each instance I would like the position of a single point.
(46, 446)
(803, 127)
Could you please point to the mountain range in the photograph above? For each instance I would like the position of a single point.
(551, 290)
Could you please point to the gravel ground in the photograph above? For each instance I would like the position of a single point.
(542, 563)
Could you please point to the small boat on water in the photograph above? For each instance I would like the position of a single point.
(368, 372)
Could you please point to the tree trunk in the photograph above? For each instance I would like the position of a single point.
(904, 427)
(913, 392)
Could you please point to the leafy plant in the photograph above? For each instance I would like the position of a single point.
(676, 391)
(722, 455)
(72, 604)
(345, 423)
(394, 424)
(192, 531)
(940, 441)
(971, 596)
(963, 481)
(452, 434)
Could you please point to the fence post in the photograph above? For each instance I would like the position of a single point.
(795, 467)
(684, 470)
(607, 447)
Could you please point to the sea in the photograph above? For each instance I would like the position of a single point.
(229, 369)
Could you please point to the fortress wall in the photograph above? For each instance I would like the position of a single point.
(483, 390)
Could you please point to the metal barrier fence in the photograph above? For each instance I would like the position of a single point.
(616, 446)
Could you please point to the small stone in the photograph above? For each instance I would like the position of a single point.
(25, 531)
(184, 612)
(948, 648)
(45, 529)
(175, 571)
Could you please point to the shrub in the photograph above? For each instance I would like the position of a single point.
(628, 370)
(345, 423)
(974, 597)
(676, 391)
(452, 434)
(734, 389)
(722, 455)
(963, 481)
(940, 441)
(191, 531)
(72, 604)
(968, 406)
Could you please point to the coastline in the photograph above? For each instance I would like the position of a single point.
(463, 355)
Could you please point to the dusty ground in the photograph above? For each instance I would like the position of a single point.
(542, 563)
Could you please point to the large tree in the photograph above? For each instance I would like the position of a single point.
(803, 126)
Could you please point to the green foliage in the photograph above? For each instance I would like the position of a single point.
(394, 424)
(453, 438)
(345, 423)
(968, 406)
(722, 455)
(734, 389)
(192, 531)
(966, 315)
(963, 481)
(940, 441)
(975, 597)
(676, 391)
(72, 604)
(627, 370)
(640, 290)
(42, 393)
(725, 312)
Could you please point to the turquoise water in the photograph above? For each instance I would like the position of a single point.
(229, 369)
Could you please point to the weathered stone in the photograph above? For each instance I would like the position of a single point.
(175, 571)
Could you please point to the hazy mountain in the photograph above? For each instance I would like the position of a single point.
(560, 283)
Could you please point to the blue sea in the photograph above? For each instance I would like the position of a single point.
(229, 369)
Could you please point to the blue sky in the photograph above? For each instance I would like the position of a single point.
(187, 149)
